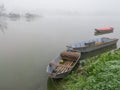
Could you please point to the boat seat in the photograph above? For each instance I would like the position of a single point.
(59, 65)
(98, 43)
(70, 56)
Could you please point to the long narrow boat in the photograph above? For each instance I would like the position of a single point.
(63, 64)
(104, 30)
(93, 44)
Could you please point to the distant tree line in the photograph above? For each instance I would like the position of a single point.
(14, 15)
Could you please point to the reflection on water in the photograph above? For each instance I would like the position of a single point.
(98, 51)
(3, 24)
(13, 16)
(52, 84)
(29, 19)
(101, 33)
(55, 84)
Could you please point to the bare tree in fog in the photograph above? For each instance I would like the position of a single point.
(2, 10)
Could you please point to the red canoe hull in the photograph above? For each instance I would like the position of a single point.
(103, 30)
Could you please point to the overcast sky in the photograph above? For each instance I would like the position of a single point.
(77, 5)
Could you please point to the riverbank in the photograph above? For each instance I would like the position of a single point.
(98, 73)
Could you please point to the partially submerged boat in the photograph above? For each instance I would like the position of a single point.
(104, 30)
(91, 45)
(63, 64)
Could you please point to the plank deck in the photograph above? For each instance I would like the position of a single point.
(60, 69)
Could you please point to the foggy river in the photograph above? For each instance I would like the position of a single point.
(26, 47)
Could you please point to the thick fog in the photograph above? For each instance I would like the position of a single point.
(71, 5)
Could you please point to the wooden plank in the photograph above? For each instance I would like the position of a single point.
(68, 68)
(68, 64)
(60, 65)
(60, 70)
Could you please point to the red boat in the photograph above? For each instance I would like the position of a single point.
(104, 30)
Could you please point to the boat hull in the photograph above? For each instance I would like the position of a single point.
(61, 72)
(103, 31)
(58, 76)
(100, 33)
(93, 47)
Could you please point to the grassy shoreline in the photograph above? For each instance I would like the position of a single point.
(101, 72)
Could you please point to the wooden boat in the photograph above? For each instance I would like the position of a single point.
(92, 44)
(104, 30)
(63, 64)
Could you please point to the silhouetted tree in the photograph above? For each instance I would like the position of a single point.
(2, 9)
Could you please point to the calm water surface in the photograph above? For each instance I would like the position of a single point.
(27, 47)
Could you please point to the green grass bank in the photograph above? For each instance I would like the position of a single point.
(97, 73)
